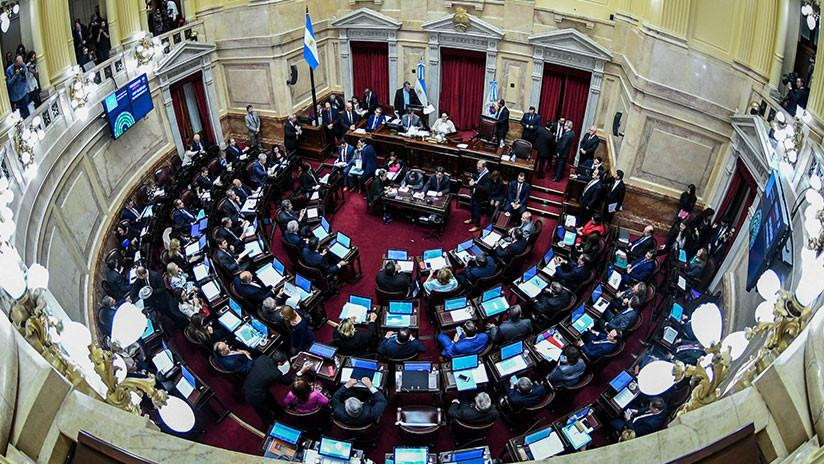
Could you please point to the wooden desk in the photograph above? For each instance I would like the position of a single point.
(448, 376)
(494, 358)
(589, 420)
(419, 210)
(434, 374)
(326, 369)
(446, 320)
(383, 368)
(607, 398)
(518, 449)
(267, 346)
(414, 318)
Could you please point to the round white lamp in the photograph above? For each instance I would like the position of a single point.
(764, 312)
(808, 288)
(810, 22)
(12, 279)
(177, 415)
(768, 285)
(656, 378)
(76, 339)
(128, 324)
(706, 324)
(120, 368)
(38, 276)
(737, 343)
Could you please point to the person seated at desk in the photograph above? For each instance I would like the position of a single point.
(303, 397)
(639, 247)
(515, 245)
(348, 119)
(301, 335)
(438, 182)
(590, 244)
(105, 315)
(525, 393)
(353, 342)
(444, 125)
(131, 214)
(570, 368)
(514, 328)
(233, 151)
(466, 340)
(197, 146)
(360, 110)
(227, 260)
(624, 319)
(229, 232)
(204, 182)
(234, 361)
(497, 190)
(622, 298)
(181, 216)
(286, 213)
(441, 281)
(379, 185)
(390, 279)
(517, 194)
(695, 269)
(317, 259)
(530, 122)
(410, 119)
(292, 235)
(553, 298)
(572, 276)
(350, 410)
(479, 267)
(203, 333)
(414, 180)
(259, 175)
(643, 421)
(526, 225)
(400, 345)
(595, 344)
(176, 278)
(393, 165)
(593, 225)
(127, 238)
(175, 255)
(266, 371)
(241, 190)
(479, 411)
(376, 120)
(641, 269)
(118, 283)
(249, 290)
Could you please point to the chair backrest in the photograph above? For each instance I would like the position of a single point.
(214, 167)
(437, 298)
(469, 431)
(188, 197)
(539, 226)
(141, 195)
(707, 275)
(486, 128)
(585, 380)
(314, 274)
(521, 148)
(312, 420)
(291, 250)
(484, 283)
(357, 432)
(585, 283)
(419, 419)
(384, 297)
(214, 364)
(163, 176)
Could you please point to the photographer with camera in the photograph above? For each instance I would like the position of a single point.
(797, 95)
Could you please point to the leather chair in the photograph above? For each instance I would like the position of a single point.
(384, 297)
(607, 358)
(485, 283)
(513, 270)
(638, 323)
(317, 276)
(585, 380)
(419, 421)
(291, 250)
(214, 168)
(585, 284)
(163, 177)
(437, 298)
(539, 226)
(486, 132)
(400, 360)
(312, 421)
(521, 148)
(465, 435)
(363, 435)
(522, 418)
(188, 197)
(214, 365)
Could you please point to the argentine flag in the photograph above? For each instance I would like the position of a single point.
(310, 47)
(491, 98)
(420, 90)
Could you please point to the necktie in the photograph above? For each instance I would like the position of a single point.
(518, 195)
(349, 117)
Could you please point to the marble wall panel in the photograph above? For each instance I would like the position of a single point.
(673, 156)
(65, 276)
(249, 84)
(410, 56)
(78, 206)
(513, 83)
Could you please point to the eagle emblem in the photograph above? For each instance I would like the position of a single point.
(460, 21)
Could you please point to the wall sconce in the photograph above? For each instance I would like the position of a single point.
(24, 143)
(814, 214)
(790, 134)
(79, 91)
(144, 52)
(812, 11)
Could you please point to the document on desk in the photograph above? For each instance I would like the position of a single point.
(312, 213)
(460, 315)
(200, 271)
(315, 195)
(252, 249)
(601, 305)
(163, 361)
(210, 290)
(546, 447)
(398, 320)
(132, 275)
(513, 364)
(491, 238)
(355, 311)
(549, 269)
(548, 349)
(577, 438)
(184, 387)
(406, 266)
(570, 221)
(436, 264)
(431, 193)
(249, 205)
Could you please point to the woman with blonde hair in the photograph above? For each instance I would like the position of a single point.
(301, 336)
(174, 254)
(353, 342)
(444, 282)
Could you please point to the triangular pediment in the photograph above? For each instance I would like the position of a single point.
(572, 41)
(754, 132)
(183, 53)
(476, 27)
(364, 18)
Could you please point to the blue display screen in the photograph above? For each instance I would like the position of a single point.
(127, 105)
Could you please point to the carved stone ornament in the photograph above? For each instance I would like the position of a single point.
(460, 21)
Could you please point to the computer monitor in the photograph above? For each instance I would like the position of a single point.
(455, 303)
(203, 224)
(285, 433)
(463, 246)
(335, 449)
(400, 307)
(324, 351)
(343, 239)
(303, 283)
(596, 293)
(677, 312)
(486, 230)
(459, 456)
(364, 364)
(432, 254)
(620, 381)
(491, 293)
(462, 363)
(549, 255)
(398, 255)
(530, 273)
(235, 307)
(512, 350)
(361, 301)
(202, 242)
(325, 224)
(417, 366)
(411, 455)
(278, 266)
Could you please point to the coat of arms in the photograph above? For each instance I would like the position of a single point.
(460, 21)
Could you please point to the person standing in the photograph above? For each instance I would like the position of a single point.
(615, 196)
(544, 142)
(589, 144)
(16, 79)
(253, 126)
(404, 97)
(291, 133)
(480, 185)
(33, 82)
(531, 121)
(501, 122)
(562, 150)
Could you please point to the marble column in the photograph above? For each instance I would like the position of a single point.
(114, 22)
(214, 114)
(170, 115)
(128, 13)
(57, 42)
(780, 43)
(816, 102)
(5, 105)
(675, 16)
(345, 50)
(433, 73)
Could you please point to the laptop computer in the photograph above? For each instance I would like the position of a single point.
(433, 259)
(340, 245)
(511, 358)
(229, 320)
(624, 397)
(583, 323)
(454, 303)
(533, 286)
(669, 335)
(324, 351)
(491, 293)
(398, 321)
(620, 381)
(411, 455)
(397, 255)
(677, 312)
(285, 433)
(460, 456)
(321, 231)
(596, 293)
(201, 270)
(363, 368)
(303, 283)
(186, 384)
(400, 307)
(361, 301)
(235, 307)
(462, 369)
(248, 335)
(335, 449)
(415, 375)
(511, 350)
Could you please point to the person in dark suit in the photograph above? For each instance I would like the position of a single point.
(514, 328)
(378, 187)
(249, 290)
(265, 372)
(197, 145)
(562, 149)
(639, 247)
(571, 276)
(516, 244)
(292, 235)
(438, 182)
(370, 100)
(615, 196)
(625, 318)
(376, 120)
(517, 195)
(336, 101)
(400, 345)
(233, 152)
(259, 176)
(641, 269)
(391, 279)
(531, 121)
(643, 421)
(235, 361)
(317, 259)
(404, 97)
(287, 214)
(203, 182)
(131, 214)
(353, 342)
(227, 260)
(543, 144)
(345, 154)
(525, 393)
(501, 122)
(226, 233)
(329, 118)
(478, 268)
(181, 216)
(240, 190)
(369, 157)
(479, 411)
(410, 119)
(308, 180)
(291, 133)
(480, 185)
(350, 410)
(589, 144)
(414, 180)
(118, 283)
(592, 197)
(571, 366)
(552, 299)
(105, 316)
(595, 344)
(347, 119)
(230, 207)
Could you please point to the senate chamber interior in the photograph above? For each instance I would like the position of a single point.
(411, 231)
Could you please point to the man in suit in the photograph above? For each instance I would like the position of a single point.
(370, 100)
(105, 315)
(641, 269)
(233, 152)
(181, 216)
(267, 371)
(515, 245)
(131, 214)
(643, 421)
(345, 159)
(404, 97)
(329, 118)
(571, 276)
(391, 279)
(249, 290)
(118, 283)
(308, 180)
(525, 394)
(226, 233)
(240, 190)
(401, 345)
(479, 411)
(414, 179)
(501, 122)
(481, 186)
(252, 126)
(378, 188)
(347, 119)
(235, 361)
(592, 197)
(438, 182)
(410, 119)
(589, 143)
(286, 213)
(562, 148)
(292, 235)
(478, 268)
(517, 195)
(640, 246)
(467, 342)
(552, 299)
(159, 298)
(615, 196)
(531, 121)
(197, 146)
(336, 101)
(375, 120)
(226, 258)
(259, 175)
(526, 225)
(544, 144)
(291, 133)
(350, 410)
(595, 344)
(623, 319)
(514, 328)
(230, 207)
(369, 157)
(571, 366)
(203, 181)
(317, 259)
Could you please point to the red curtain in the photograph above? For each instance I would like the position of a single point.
(462, 86)
(550, 96)
(181, 114)
(576, 92)
(203, 109)
(564, 92)
(741, 176)
(370, 68)
(184, 124)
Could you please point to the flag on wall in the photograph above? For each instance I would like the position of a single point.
(310, 47)
(492, 97)
(420, 89)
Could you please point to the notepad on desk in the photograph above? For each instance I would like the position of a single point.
(546, 447)
(491, 238)
(436, 264)
(315, 196)
(163, 361)
(351, 310)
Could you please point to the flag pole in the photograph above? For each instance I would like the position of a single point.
(312, 83)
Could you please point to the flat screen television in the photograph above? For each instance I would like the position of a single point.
(127, 105)
(768, 229)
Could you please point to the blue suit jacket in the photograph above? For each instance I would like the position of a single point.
(512, 192)
(345, 156)
(571, 276)
(258, 175)
(466, 346)
(623, 320)
(252, 293)
(642, 270)
(390, 348)
(374, 122)
(522, 400)
(182, 218)
(597, 346)
(316, 260)
(235, 363)
(474, 273)
(432, 184)
(233, 153)
(370, 160)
